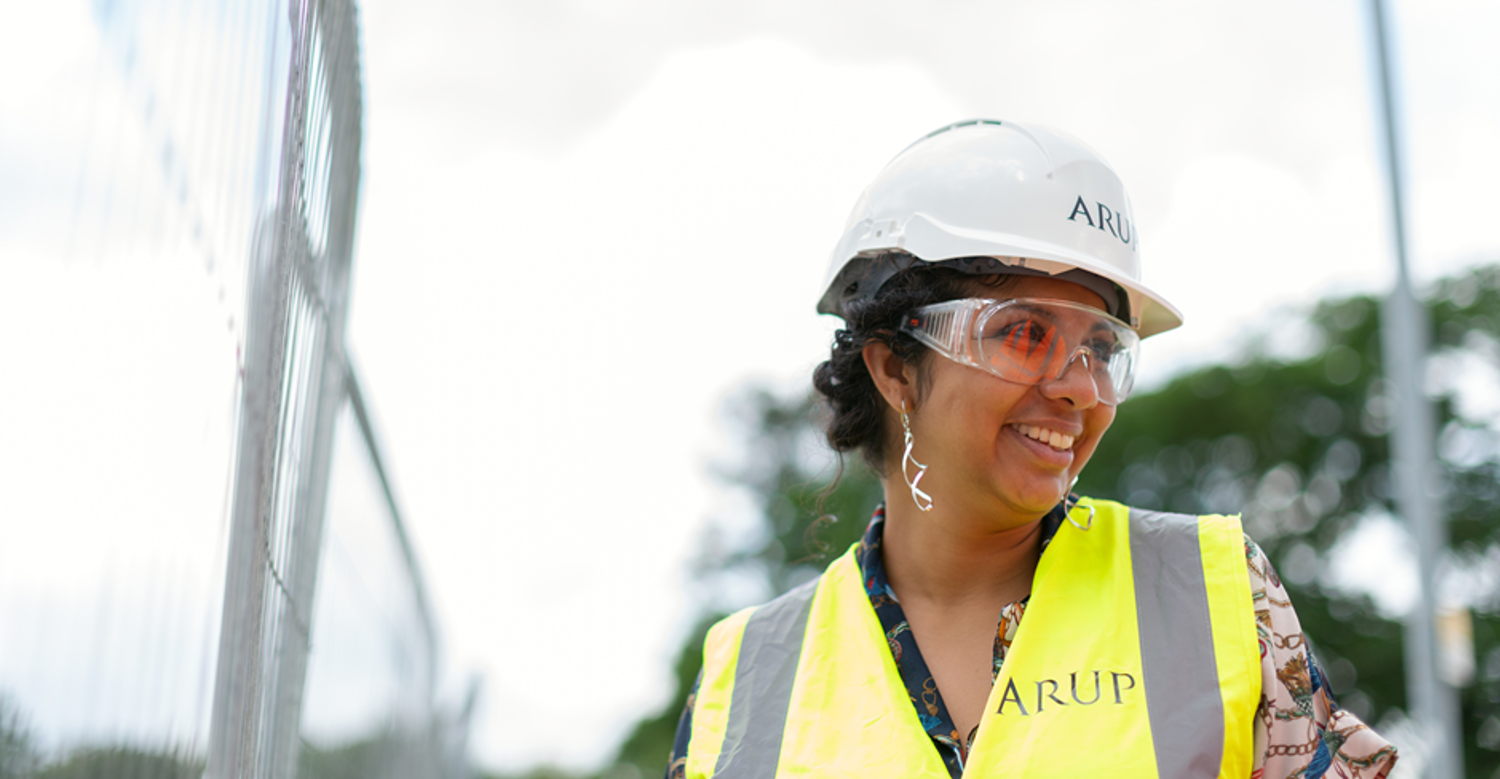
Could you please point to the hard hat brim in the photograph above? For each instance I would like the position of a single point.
(926, 239)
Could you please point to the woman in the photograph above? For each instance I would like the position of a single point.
(990, 623)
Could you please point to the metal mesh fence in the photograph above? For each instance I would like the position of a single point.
(368, 709)
(178, 599)
(296, 304)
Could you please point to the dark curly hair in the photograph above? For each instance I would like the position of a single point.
(856, 408)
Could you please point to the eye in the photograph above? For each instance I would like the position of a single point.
(1102, 349)
(1023, 333)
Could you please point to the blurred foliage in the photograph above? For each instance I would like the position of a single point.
(1290, 432)
(804, 526)
(387, 754)
(1298, 445)
(365, 758)
(643, 747)
(18, 756)
(785, 470)
(543, 772)
(122, 762)
(21, 758)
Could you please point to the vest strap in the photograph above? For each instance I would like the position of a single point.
(767, 668)
(1177, 644)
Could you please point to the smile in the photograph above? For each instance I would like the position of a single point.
(1051, 438)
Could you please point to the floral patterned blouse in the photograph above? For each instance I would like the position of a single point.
(1300, 732)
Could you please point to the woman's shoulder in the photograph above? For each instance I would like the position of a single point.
(1176, 536)
(797, 598)
(1152, 515)
(1300, 728)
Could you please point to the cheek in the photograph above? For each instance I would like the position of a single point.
(1099, 419)
(1105, 418)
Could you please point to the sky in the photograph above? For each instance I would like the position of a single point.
(585, 225)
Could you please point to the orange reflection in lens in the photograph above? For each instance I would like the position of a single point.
(1029, 349)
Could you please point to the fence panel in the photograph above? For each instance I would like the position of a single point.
(176, 391)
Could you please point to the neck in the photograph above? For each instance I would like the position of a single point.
(953, 557)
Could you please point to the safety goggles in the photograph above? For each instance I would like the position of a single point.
(1030, 341)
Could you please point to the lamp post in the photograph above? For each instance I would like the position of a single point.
(1431, 701)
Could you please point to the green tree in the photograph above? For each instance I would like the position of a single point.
(650, 742)
(356, 759)
(18, 756)
(1291, 433)
(1299, 446)
(123, 762)
(804, 526)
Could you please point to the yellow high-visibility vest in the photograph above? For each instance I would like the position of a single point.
(1137, 657)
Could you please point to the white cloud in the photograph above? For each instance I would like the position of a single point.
(582, 316)
(1376, 559)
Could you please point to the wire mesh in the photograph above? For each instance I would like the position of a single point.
(172, 416)
(369, 709)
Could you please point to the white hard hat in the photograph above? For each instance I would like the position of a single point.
(985, 196)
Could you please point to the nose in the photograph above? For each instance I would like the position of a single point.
(1077, 387)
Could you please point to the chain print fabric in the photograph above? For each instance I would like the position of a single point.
(1300, 732)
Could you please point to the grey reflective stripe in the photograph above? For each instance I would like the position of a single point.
(763, 680)
(1177, 644)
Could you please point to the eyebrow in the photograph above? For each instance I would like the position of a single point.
(1052, 318)
(1041, 313)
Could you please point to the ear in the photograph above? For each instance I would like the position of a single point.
(892, 376)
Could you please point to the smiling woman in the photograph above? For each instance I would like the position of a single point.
(990, 285)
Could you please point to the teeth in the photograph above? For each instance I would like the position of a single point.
(1051, 438)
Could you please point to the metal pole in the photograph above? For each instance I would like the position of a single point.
(1431, 702)
(398, 525)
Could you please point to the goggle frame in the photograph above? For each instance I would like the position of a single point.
(955, 329)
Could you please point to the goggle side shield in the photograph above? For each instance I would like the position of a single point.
(1031, 340)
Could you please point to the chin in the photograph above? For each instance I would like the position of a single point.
(1038, 501)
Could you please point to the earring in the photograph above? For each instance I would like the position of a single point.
(917, 495)
(1086, 525)
(1070, 502)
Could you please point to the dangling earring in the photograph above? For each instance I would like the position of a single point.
(917, 496)
(1068, 507)
(1086, 525)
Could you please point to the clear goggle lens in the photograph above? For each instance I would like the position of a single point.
(1031, 341)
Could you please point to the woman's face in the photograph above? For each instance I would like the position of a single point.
(994, 443)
